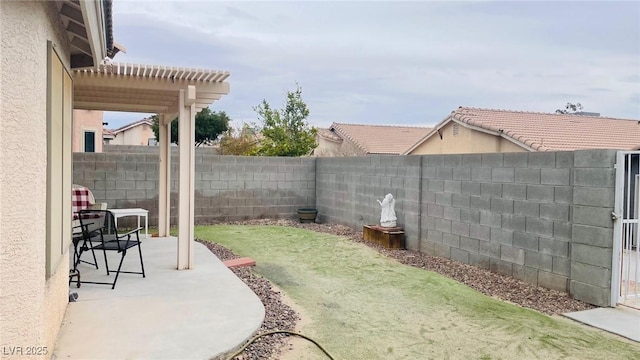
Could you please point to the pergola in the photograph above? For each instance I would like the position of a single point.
(169, 92)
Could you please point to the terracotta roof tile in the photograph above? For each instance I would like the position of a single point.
(381, 139)
(554, 132)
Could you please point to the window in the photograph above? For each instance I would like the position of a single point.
(59, 113)
(89, 141)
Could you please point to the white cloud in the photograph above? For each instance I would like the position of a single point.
(390, 62)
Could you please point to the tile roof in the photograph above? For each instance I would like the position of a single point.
(551, 132)
(107, 132)
(380, 139)
(131, 125)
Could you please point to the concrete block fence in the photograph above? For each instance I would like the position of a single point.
(228, 188)
(544, 218)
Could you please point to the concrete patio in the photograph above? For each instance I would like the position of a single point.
(170, 314)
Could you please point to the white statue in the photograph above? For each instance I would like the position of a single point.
(388, 215)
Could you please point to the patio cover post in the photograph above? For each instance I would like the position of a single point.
(164, 205)
(186, 140)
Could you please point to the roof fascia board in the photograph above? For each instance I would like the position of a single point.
(495, 133)
(435, 129)
(94, 23)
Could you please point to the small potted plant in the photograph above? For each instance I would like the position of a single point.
(307, 214)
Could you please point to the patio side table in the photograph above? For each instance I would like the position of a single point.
(118, 213)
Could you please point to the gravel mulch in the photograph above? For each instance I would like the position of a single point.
(278, 315)
(281, 316)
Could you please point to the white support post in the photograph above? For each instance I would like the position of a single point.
(164, 196)
(186, 140)
(618, 213)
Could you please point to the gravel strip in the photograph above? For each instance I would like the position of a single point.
(281, 316)
(278, 316)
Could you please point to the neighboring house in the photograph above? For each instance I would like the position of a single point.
(136, 133)
(359, 140)
(88, 134)
(107, 136)
(472, 130)
(42, 43)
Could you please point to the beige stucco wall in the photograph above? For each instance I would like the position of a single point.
(467, 141)
(86, 120)
(137, 135)
(329, 148)
(31, 306)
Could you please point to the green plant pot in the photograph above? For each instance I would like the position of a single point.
(307, 215)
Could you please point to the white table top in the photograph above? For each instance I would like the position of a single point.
(129, 211)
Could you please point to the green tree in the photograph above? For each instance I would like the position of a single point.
(209, 125)
(243, 141)
(286, 131)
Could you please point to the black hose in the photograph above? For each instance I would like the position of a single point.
(278, 332)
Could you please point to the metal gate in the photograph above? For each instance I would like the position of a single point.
(625, 284)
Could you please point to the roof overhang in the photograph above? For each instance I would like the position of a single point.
(452, 118)
(89, 28)
(145, 88)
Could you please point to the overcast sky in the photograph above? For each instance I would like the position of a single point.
(395, 63)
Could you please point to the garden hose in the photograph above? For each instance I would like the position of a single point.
(278, 332)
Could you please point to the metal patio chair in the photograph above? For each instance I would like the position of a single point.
(98, 226)
(82, 198)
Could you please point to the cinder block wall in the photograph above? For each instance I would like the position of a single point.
(142, 149)
(541, 217)
(544, 217)
(592, 226)
(348, 187)
(509, 213)
(228, 188)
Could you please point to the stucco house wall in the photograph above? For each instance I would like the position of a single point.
(137, 135)
(465, 141)
(32, 305)
(329, 148)
(87, 120)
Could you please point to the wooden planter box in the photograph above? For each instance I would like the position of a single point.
(391, 238)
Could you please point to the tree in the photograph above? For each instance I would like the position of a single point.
(242, 141)
(286, 131)
(209, 125)
(570, 108)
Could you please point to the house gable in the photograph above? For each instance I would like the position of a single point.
(531, 131)
(454, 137)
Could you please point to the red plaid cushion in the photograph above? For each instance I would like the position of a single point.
(79, 200)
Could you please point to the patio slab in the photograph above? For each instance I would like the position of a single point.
(620, 320)
(170, 314)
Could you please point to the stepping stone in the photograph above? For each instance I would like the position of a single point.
(239, 262)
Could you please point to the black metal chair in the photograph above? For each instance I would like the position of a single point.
(98, 226)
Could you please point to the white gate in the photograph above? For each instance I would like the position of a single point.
(625, 282)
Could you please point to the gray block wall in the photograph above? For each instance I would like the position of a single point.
(142, 149)
(541, 217)
(227, 188)
(348, 187)
(592, 225)
(544, 218)
(508, 213)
